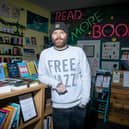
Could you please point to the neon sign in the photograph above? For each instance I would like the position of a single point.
(85, 26)
(68, 15)
(109, 30)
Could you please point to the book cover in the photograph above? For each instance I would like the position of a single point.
(15, 123)
(13, 70)
(5, 69)
(36, 65)
(23, 71)
(31, 68)
(3, 117)
(2, 74)
(9, 120)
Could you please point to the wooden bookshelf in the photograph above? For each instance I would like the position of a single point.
(38, 95)
(48, 108)
(119, 102)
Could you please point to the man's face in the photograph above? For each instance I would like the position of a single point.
(59, 38)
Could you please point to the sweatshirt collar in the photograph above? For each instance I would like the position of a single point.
(61, 49)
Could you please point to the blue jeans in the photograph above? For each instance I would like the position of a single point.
(71, 118)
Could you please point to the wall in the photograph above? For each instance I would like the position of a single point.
(109, 24)
(24, 7)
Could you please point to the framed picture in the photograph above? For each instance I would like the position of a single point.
(28, 107)
(89, 49)
(37, 22)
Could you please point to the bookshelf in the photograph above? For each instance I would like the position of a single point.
(119, 100)
(38, 96)
(11, 40)
(48, 109)
(101, 94)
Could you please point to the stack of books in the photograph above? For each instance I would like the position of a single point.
(9, 116)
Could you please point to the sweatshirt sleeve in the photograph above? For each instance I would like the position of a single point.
(43, 74)
(86, 78)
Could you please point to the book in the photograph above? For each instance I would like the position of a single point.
(16, 119)
(5, 69)
(36, 65)
(12, 81)
(99, 80)
(2, 74)
(23, 70)
(19, 85)
(31, 68)
(5, 88)
(3, 116)
(13, 70)
(47, 122)
(34, 83)
(106, 81)
(27, 41)
(9, 120)
(28, 107)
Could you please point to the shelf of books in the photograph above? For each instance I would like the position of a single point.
(22, 108)
(19, 85)
(47, 121)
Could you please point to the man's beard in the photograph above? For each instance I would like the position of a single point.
(60, 43)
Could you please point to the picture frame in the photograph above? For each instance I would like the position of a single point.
(37, 22)
(89, 49)
(28, 107)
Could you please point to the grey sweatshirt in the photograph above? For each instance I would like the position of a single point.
(69, 67)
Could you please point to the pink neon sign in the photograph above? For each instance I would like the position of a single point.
(68, 15)
(109, 30)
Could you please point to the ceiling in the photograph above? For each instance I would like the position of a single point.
(54, 5)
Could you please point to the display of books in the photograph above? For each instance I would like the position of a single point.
(20, 75)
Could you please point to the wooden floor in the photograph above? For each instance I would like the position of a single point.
(109, 125)
(92, 122)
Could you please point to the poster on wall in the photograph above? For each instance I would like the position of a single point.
(110, 65)
(37, 22)
(92, 50)
(9, 10)
(110, 50)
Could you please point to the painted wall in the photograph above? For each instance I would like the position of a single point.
(109, 24)
(105, 22)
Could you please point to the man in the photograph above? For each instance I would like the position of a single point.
(66, 70)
